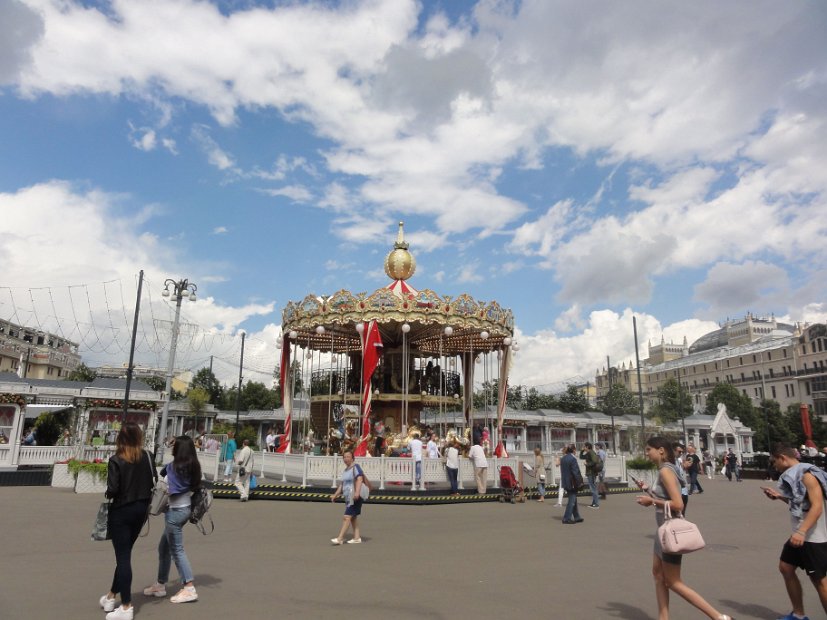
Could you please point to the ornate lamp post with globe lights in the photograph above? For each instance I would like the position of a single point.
(180, 289)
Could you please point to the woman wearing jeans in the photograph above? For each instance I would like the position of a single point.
(183, 475)
(129, 479)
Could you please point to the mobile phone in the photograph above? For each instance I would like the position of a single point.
(635, 480)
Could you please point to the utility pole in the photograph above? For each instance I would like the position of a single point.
(639, 389)
(238, 393)
(610, 407)
(130, 368)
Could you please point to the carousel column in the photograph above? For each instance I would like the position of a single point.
(83, 428)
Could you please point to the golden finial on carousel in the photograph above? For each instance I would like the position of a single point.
(400, 263)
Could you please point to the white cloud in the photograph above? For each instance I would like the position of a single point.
(296, 193)
(142, 138)
(219, 230)
(469, 272)
(730, 288)
(604, 333)
(216, 156)
(87, 294)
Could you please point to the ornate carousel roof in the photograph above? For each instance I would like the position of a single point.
(328, 322)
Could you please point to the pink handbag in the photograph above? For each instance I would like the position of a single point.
(677, 535)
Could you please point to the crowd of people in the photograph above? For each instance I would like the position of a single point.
(802, 486)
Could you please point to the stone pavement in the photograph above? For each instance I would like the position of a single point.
(274, 559)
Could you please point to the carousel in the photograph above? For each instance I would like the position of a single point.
(363, 367)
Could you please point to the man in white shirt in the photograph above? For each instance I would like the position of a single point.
(433, 448)
(477, 456)
(416, 454)
(270, 440)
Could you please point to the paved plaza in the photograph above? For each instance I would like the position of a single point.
(274, 559)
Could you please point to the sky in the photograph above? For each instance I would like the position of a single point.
(579, 163)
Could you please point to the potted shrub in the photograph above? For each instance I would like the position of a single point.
(90, 476)
(641, 468)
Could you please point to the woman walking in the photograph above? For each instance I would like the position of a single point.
(666, 567)
(183, 476)
(229, 455)
(540, 473)
(351, 487)
(130, 477)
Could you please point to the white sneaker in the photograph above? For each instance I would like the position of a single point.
(355, 541)
(336, 541)
(186, 595)
(121, 614)
(108, 604)
(156, 589)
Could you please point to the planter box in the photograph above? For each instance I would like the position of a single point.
(88, 482)
(61, 478)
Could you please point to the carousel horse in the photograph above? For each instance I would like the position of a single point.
(334, 441)
(308, 442)
(396, 442)
(351, 436)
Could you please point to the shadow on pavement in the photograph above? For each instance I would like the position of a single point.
(622, 610)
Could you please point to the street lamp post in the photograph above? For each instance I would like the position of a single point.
(180, 289)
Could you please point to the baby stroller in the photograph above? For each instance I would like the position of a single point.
(511, 489)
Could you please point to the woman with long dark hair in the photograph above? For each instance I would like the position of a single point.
(129, 481)
(183, 476)
(666, 567)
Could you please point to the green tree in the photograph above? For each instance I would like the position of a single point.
(674, 402)
(770, 410)
(256, 395)
(197, 398)
(206, 380)
(156, 383)
(573, 400)
(82, 373)
(49, 427)
(738, 405)
(535, 400)
(619, 401)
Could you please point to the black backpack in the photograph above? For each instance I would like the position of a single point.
(200, 507)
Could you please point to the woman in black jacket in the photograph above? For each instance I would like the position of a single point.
(130, 478)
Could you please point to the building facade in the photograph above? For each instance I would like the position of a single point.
(759, 356)
(35, 354)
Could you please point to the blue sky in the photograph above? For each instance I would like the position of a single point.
(577, 163)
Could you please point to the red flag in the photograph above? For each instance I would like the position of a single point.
(286, 380)
(806, 426)
(371, 350)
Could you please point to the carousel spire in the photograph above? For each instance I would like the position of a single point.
(400, 263)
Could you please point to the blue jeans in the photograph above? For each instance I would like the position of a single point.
(693, 482)
(171, 546)
(572, 511)
(593, 488)
(452, 478)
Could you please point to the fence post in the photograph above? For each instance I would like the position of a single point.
(623, 476)
(459, 473)
(496, 473)
(333, 464)
(382, 464)
(284, 466)
(304, 470)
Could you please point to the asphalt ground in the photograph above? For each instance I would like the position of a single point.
(273, 559)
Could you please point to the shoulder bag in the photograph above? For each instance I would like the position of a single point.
(364, 490)
(677, 535)
(100, 529)
(159, 502)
